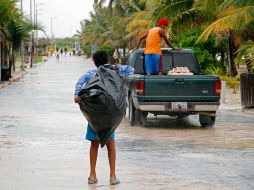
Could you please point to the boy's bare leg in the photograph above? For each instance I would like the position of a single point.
(93, 158)
(112, 158)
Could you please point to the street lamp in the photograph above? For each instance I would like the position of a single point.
(31, 36)
(36, 22)
(52, 35)
(22, 42)
(35, 10)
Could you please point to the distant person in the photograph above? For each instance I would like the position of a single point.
(61, 51)
(153, 53)
(57, 55)
(65, 51)
(100, 58)
(51, 50)
(69, 53)
(73, 52)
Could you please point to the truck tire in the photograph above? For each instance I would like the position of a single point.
(206, 120)
(132, 111)
(140, 117)
(143, 118)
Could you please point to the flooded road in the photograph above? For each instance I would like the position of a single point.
(42, 142)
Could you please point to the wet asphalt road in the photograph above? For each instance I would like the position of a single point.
(42, 142)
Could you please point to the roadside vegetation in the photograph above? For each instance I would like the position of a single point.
(15, 28)
(220, 31)
(67, 42)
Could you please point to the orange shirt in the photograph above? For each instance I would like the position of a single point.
(153, 41)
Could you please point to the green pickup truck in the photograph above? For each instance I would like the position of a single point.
(174, 95)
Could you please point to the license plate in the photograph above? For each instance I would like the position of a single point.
(179, 106)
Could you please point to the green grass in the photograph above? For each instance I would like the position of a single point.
(38, 59)
(18, 58)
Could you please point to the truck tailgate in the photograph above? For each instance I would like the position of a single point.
(180, 88)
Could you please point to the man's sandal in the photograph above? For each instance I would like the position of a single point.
(114, 181)
(92, 181)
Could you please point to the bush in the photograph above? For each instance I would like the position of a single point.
(214, 70)
(232, 82)
(206, 51)
(108, 49)
(87, 50)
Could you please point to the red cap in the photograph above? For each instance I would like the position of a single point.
(163, 22)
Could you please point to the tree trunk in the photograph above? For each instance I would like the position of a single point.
(10, 65)
(231, 49)
(32, 51)
(110, 8)
(222, 59)
(13, 60)
(124, 52)
(118, 55)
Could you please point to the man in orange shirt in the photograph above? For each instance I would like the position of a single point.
(153, 51)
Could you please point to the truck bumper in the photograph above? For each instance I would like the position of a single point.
(167, 106)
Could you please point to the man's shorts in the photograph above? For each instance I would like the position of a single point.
(91, 136)
(152, 62)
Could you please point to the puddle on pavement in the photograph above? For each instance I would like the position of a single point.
(9, 126)
(4, 143)
(187, 130)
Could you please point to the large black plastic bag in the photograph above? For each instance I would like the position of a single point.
(103, 103)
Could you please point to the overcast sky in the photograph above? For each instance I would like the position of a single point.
(67, 13)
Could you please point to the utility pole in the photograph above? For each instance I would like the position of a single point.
(52, 34)
(22, 42)
(31, 36)
(35, 32)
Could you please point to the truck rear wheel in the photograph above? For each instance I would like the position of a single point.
(136, 116)
(206, 120)
(132, 111)
(141, 117)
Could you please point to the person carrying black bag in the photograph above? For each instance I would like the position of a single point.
(100, 58)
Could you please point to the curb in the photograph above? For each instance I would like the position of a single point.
(17, 75)
(14, 78)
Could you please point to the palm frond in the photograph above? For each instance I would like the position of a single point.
(245, 55)
(230, 19)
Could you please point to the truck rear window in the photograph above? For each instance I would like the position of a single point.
(169, 61)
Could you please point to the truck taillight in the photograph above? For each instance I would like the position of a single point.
(217, 89)
(140, 85)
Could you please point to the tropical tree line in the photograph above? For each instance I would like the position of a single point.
(15, 28)
(220, 31)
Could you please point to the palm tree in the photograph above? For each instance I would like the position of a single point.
(15, 27)
(15, 33)
(234, 19)
(7, 11)
(140, 21)
(94, 30)
(245, 55)
(107, 24)
(111, 4)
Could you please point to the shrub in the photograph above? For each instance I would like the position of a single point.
(108, 49)
(205, 51)
(232, 82)
(87, 50)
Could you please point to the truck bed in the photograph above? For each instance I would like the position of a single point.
(180, 88)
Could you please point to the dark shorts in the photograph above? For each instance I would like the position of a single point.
(91, 136)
